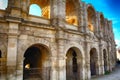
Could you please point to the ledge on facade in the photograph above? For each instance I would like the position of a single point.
(36, 24)
(2, 13)
(2, 19)
(70, 26)
(38, 19)
(13, 19)
(74, 32)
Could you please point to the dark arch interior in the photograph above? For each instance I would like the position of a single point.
(93, 62)
(74, 61)
(32, 56)
(72, 65)
(0, 54)
(105, 60)
(36, 63)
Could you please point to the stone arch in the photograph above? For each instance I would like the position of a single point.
(45, 7)
(71, 12)
(24, 46)
(36, 62)
(74, 64)
(101, 21)
(4, 4)
(91, 15)
(93, 61)
(105, 59)
(35, 10)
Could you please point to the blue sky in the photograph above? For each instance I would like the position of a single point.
(110, 9)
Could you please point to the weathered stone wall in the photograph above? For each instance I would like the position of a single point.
(19, 31)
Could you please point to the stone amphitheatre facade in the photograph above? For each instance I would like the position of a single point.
(69, 41)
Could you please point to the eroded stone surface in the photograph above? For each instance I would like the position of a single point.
(63, 44)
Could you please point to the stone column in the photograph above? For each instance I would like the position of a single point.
(62, 68)
(97, 23)
(14, 7)
(110, 58)
(54, 68)
(87, 60)
(101, 59)
(80, 17)
(61, 12)
(57, 12)
(84, 21)
(99, 27)
(12, 51)
(98, 19)
(61, 55)
(106, 27)
(10, 4)
(25, 8)
(109, 62)
(61, 59)
(105, 30)
(53, 12)
(19, 71)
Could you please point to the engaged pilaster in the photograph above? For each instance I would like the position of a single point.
(12, 51)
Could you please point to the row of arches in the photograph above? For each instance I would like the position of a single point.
(37, 63)
(92, 16)
(72, 14)
(42, 8)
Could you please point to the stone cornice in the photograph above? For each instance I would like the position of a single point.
(36, 24)
(13, 19)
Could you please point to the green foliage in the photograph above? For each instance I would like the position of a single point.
(107, 72)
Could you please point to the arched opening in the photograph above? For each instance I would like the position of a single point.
(0, 54)
(93, 61)
(105, 60)
(36, 63)
(101, 22)
(3, 4)
(35, 10)
(91, 18)
(71, 13)
(73, 64)
(44, 6)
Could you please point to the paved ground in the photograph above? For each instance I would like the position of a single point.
(115, 75)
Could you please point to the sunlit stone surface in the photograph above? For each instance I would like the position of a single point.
(69, 41)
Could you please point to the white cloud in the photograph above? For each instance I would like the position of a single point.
(3, 4)
(117, 42)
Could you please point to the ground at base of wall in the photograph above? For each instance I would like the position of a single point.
(115, 75)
